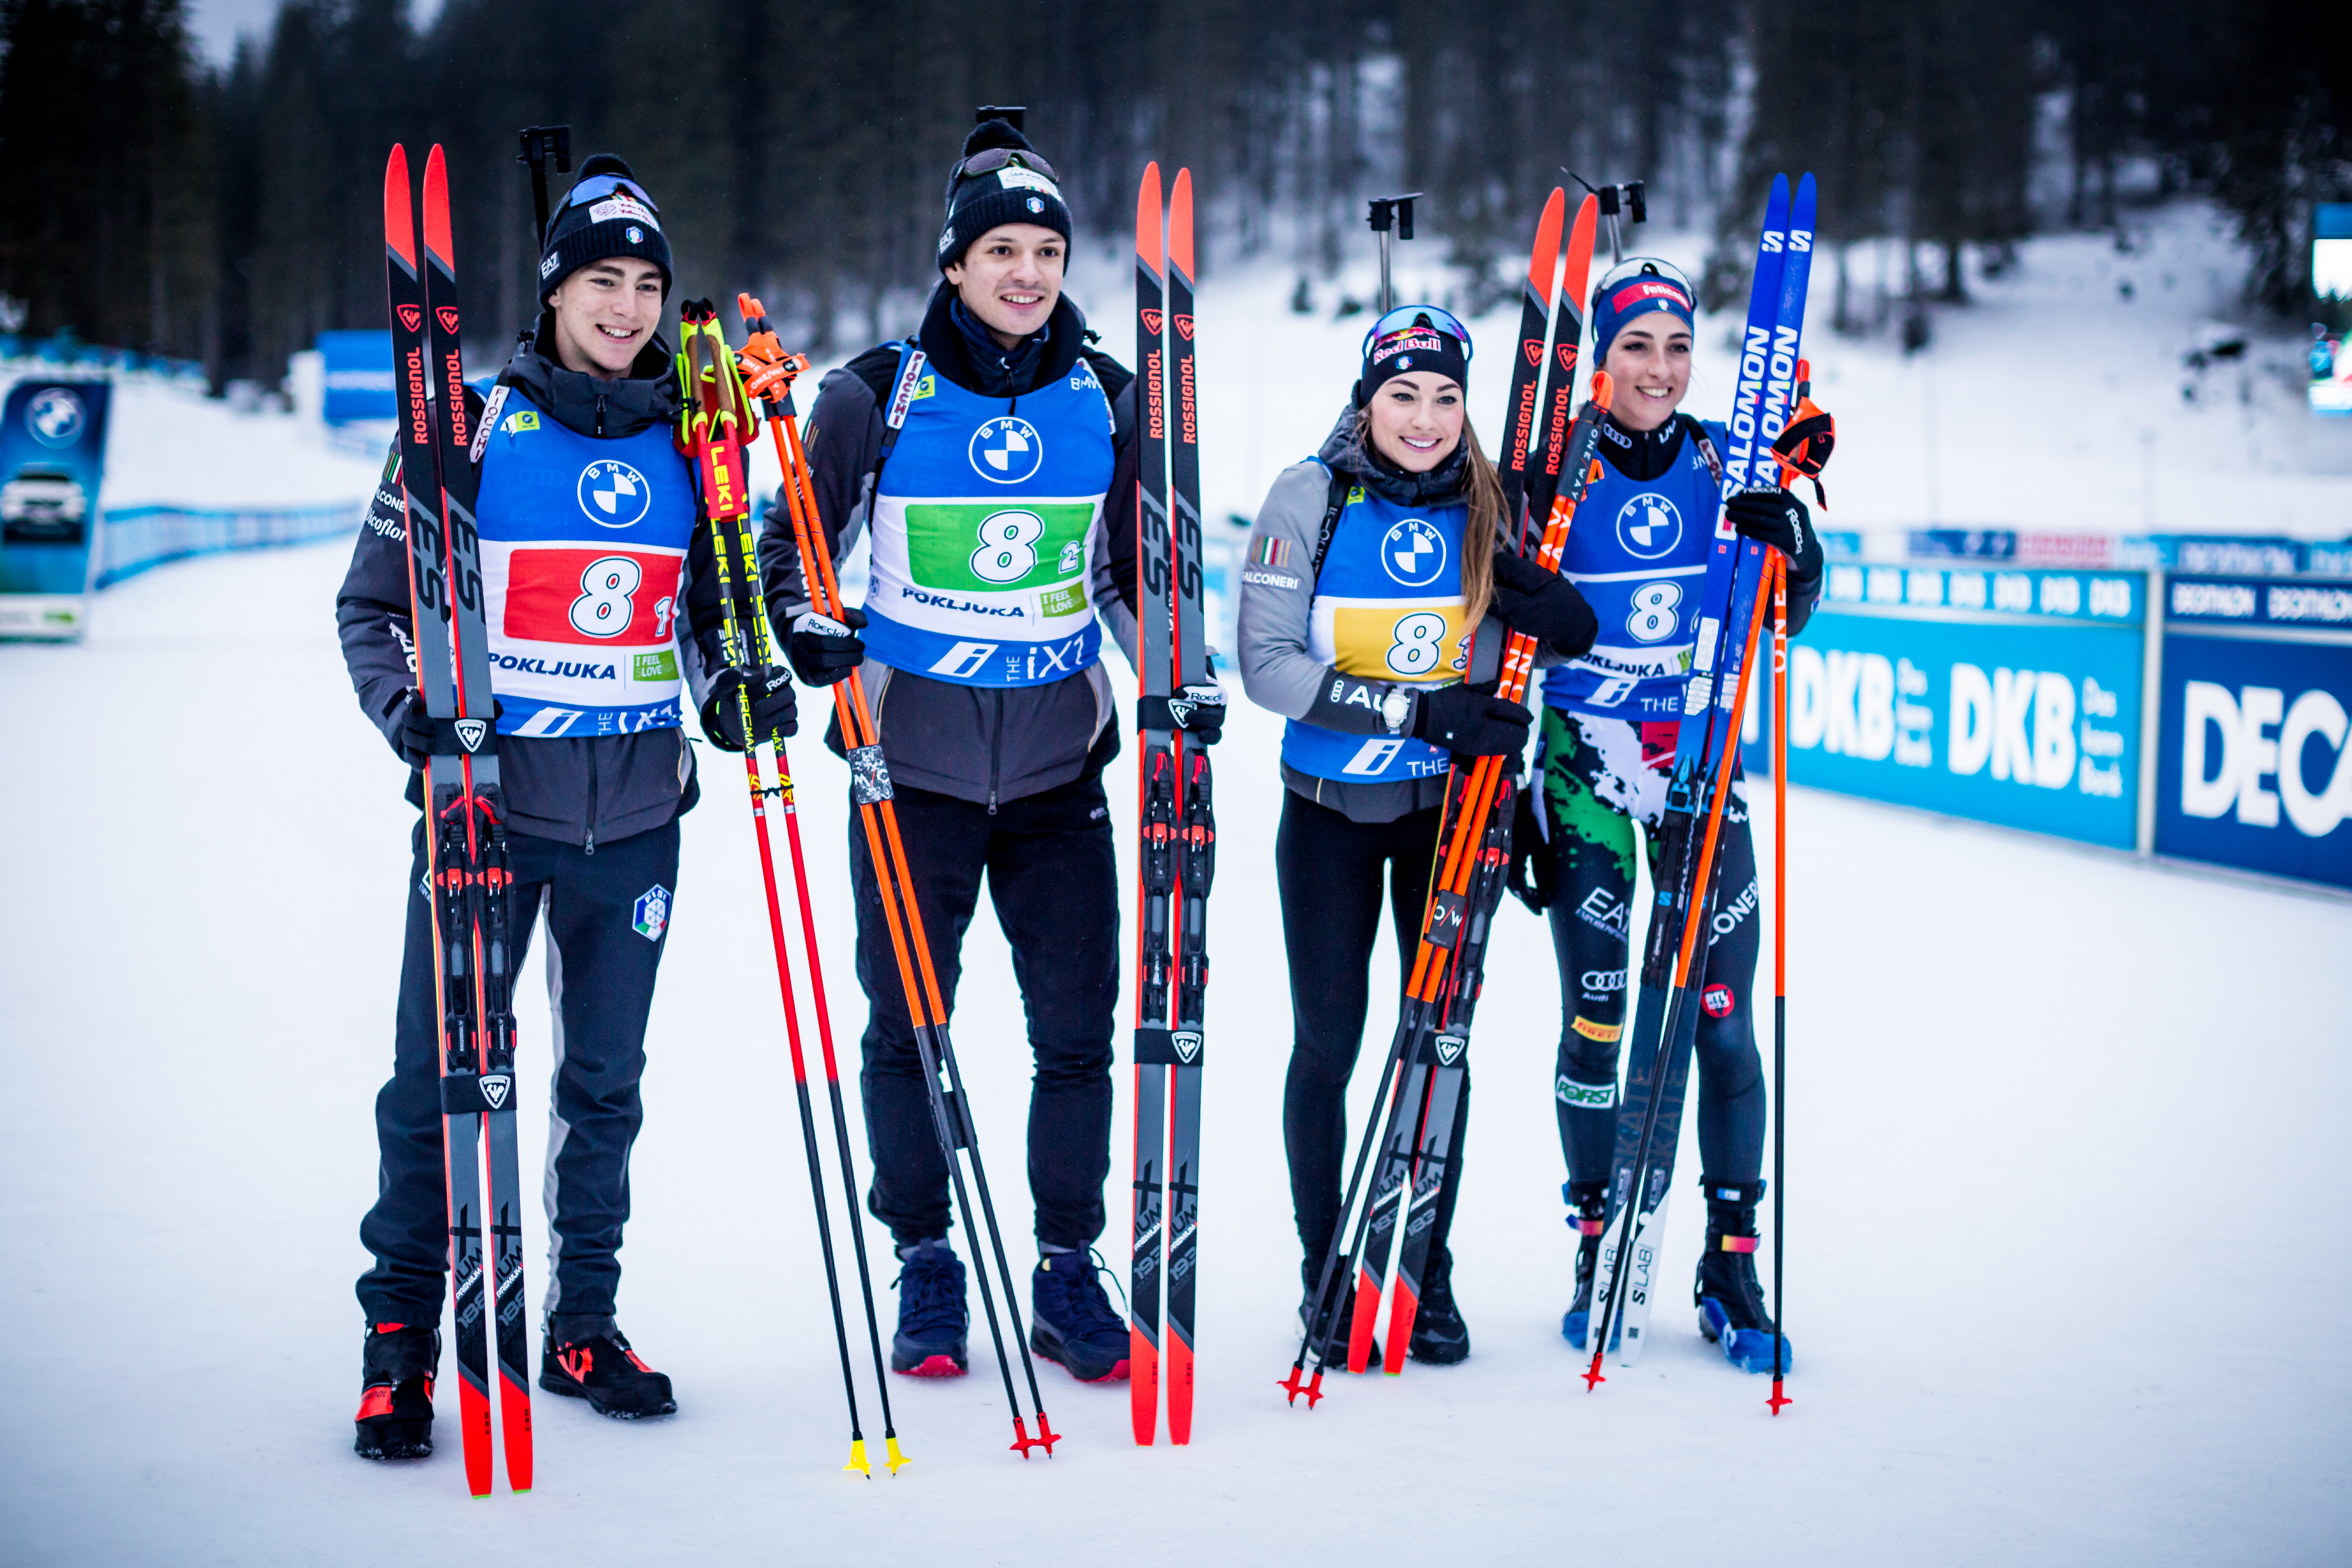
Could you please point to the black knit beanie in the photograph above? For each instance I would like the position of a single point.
(607, 214)
(1014, 192)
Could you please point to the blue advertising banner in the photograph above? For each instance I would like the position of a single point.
(358, 367)
(2008, 696)
(52, 455)
(2252, 772)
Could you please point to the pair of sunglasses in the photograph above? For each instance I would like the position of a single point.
(596, 187)
(1638, 267)
(989, 160)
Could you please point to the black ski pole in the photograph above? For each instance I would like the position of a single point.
(544, 144)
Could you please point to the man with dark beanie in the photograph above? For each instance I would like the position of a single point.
(600, 606)
(991, 458)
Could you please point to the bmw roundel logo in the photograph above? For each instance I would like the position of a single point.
(1006, 450)
(613, 494)
(54, 416)
(1413, 553)
(1649, 526)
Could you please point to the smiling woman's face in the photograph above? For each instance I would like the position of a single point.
(1650, 361)
(1416, 420)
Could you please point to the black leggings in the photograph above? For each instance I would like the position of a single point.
(1330, 871)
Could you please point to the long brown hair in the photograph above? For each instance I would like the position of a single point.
(1482, 488)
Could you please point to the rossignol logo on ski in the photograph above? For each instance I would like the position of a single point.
(470, 733)
(1154, 322)
(1187, 1044)
(496, 1087)
(1450, 1049)
(412, 318)
(447, 316)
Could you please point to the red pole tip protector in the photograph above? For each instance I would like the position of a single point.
(1592, 1373)
(1779, 1398)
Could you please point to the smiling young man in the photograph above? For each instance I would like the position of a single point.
(1001, 503)
(1639, 553)
(599, 607)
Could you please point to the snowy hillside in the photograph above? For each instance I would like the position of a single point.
(2064, 1231)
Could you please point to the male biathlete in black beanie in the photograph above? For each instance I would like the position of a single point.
(601, 605)
(1002, 514)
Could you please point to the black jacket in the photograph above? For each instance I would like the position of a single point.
(977, 744)
(576, 791)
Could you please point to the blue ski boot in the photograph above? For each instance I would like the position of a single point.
(933, 1319)
(1731, 1302)
(1070, 1320)
(1590, 1202)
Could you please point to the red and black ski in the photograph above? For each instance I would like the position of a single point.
(1179, 849)
(465, 838)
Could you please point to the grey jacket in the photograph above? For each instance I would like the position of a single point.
(1278, 606)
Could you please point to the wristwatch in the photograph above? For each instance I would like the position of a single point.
(1396, 707)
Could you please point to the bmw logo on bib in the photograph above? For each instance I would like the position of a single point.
(613, 494)
(1649, 526)
(1006, 450)
(1413, 553)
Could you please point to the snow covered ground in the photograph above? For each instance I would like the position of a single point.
(2064, 1229)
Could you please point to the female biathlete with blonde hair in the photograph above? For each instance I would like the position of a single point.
(1373, 609)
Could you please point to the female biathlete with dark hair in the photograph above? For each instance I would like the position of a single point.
(1638, 551)
(1369, 618)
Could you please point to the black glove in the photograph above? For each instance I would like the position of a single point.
(1779, 519)
(1198, 712)
(1470, 720)
(773, 712)
(413, 739)
(1544, 604)
(1534, 868)
(823, 650)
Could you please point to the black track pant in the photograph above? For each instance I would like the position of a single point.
(1053, 878)
(1331, 873)
(607, 919)
(1593, 838)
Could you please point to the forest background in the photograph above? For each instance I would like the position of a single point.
(229, 212)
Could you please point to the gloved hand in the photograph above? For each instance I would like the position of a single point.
(413, 737)
(774, 714)
(1543, 605)
(1470, 720)
(1535, 870)
(823, 650)
(1779, 519)
(1198, 712)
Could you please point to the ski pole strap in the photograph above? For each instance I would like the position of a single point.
(468, 1094)
(1333, 504)
(1805, 445)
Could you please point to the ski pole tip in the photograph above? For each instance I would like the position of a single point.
(857, 1458)
(1778, 1399)
(1592, 1378)
(1046, 1439)
(893, 1456)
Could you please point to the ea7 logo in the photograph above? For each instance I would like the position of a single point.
(1153, 322)
(447, 316)
(411, 317)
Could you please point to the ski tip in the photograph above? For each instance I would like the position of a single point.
(1150, 249)
(857, 1462)
(437, 209)
(1180, 224)
(892, 1456)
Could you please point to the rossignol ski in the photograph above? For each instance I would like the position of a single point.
(1473, 854)
(877, 817)
(1666, 1022)
(1179, 846)
(466, 845)
(717, 427)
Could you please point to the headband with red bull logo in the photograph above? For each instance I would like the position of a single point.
(1636, 287)
(1415, 338)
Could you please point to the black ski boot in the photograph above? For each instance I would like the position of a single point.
(1731, 1302)
(1590, 1202)
(586, 1357)
(934, 1315)
(1330, 1330)
(396, 1367)
(1440, 1337)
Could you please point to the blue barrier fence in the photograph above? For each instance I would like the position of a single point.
(2199, 716)
(134, 539)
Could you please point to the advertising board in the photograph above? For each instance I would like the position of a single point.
(52, 455)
